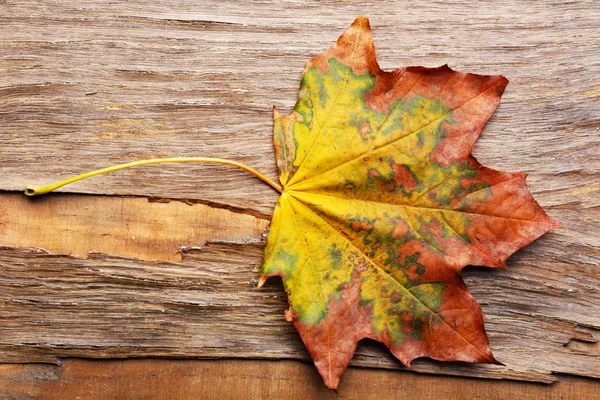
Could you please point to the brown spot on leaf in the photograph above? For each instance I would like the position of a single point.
(374, 174)
(363, 225)
(365, 130)
(404, 178)
(400, 229)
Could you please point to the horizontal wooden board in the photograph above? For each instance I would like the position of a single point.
(243, 379)
(200, 78)
(207, 304)
(129, 227)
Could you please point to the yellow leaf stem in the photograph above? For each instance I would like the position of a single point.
(35, 191)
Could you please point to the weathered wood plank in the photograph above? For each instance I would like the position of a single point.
(207, 304)
(235, 379)
(199, 78)
(129, 227)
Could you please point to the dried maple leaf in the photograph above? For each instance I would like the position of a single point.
(383, 205)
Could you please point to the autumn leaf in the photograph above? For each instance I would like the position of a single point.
(383, 205)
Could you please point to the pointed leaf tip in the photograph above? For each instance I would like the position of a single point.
(261, 280)
(362, 21)
(354, 49)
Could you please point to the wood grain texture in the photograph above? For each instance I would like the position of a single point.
(88, 84)
(128, 227)
(247, 379)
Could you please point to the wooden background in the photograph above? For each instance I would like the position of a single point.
(162, 261)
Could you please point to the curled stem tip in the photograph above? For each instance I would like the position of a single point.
(39, 190)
